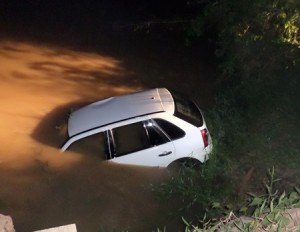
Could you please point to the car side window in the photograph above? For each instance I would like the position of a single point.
(130, 138)
(170, 129)
(156, 136)
(91, 145)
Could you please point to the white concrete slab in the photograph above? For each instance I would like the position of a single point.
(66, 228)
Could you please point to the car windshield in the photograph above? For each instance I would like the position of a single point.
(187, 110)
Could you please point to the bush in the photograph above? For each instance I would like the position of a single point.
(195, 188)
(256, 116)
(270, 212)
(257, 48)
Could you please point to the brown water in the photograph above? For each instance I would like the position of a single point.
(41, 187)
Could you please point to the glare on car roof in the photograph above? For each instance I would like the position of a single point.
(120, 108)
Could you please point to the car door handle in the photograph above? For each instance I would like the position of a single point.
(165, 153)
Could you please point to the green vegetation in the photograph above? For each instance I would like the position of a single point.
(257, 47)
(195, 188)
(256, 119)
(269, 212)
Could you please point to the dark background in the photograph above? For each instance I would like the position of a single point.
(118, 28)
(92, 16)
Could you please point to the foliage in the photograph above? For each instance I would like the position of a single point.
(244, 30)
(256, 116)
(257, 42)
(257, 48)
(196, 187)
(269, 212)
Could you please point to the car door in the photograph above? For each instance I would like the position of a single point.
(142, 143)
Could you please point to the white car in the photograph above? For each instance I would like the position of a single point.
(151, 128)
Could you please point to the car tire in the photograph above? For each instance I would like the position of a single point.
(177, 165)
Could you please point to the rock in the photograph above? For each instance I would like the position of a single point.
(6, 224)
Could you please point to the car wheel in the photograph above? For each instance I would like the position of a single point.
(177, 165)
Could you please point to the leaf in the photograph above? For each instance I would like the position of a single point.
(216, 205)
(251, 194)
(284, 221)
(268, 189)
(277, 215)
(293, 196)
(281, 197)
(240, 228)
(204, 218)
(229, 206)
(243, 210)
(185, 222)
(297, 205)
(262, 207)
(256, 201)
(278, 179)
(271, 172)
(272, 205)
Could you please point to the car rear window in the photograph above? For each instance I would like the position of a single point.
(187, 110)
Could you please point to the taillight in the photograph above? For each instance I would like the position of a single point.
(204, 134)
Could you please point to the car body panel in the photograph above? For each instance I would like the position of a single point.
(191, 145)
(155, 156)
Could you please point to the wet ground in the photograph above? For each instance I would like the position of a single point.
(40, 83)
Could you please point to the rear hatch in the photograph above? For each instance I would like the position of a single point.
(188, 111)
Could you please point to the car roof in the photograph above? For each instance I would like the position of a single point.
(120, 108)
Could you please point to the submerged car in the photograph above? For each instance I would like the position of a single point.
(154, 127)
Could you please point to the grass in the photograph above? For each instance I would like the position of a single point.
(268, 212)
(248, 132)
(255, 122)
(196, 188)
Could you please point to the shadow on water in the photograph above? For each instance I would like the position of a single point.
(55, 123)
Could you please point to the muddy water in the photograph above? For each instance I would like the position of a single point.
(41, 187)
